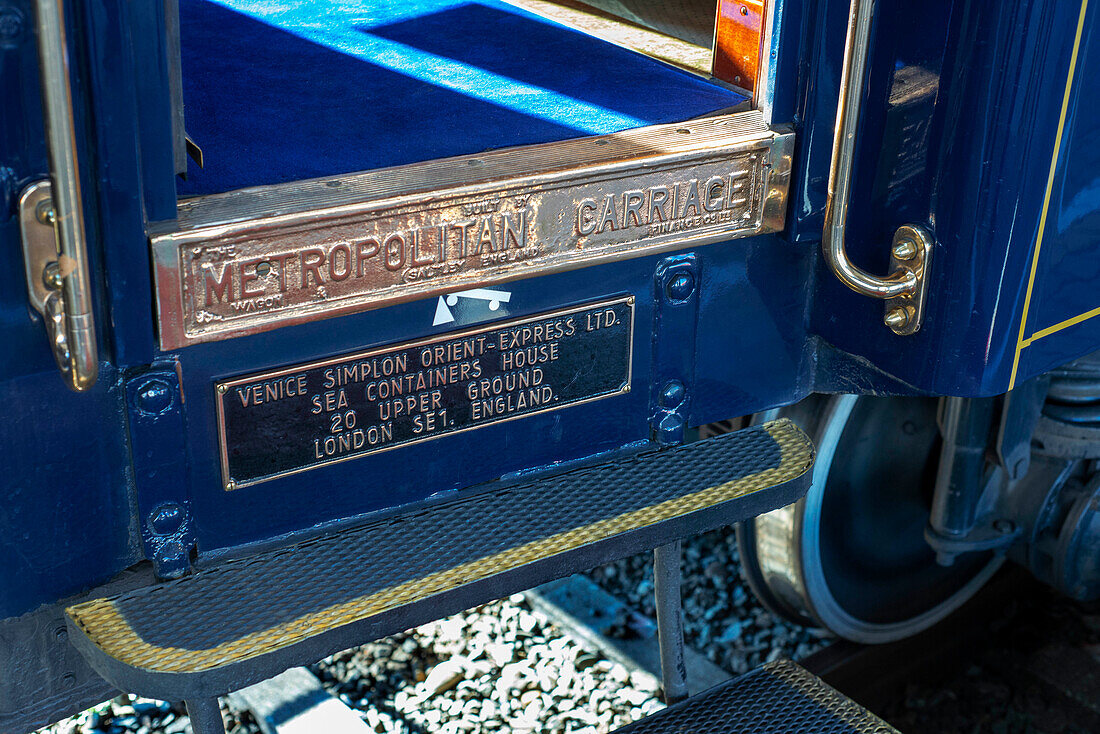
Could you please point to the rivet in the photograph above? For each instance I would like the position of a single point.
(897, 318)
(62, 634)
(154, 396)
(1004, 527)
(679, 288)
(68, 680)
(222, 389)
(230, 485)
(672, 394)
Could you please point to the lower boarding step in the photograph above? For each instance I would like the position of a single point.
(246, 620)
(777, 698)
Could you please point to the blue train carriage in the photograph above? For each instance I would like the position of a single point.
(323, 319)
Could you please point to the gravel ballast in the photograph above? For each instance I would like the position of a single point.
(722, 618)
(126, 714)
(500, 667)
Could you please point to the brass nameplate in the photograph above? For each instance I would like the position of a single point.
(285, 421)
(487, 219)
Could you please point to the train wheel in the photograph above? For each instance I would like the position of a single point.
(850, 556)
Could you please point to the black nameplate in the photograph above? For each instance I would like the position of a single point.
(271, 424)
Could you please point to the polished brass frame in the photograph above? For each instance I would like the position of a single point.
(548, 184)
(223, 387)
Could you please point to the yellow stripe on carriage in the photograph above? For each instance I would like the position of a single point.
(1021, 342)
(1061, 325)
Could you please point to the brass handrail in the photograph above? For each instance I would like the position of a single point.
(912, 247)
(74, 341)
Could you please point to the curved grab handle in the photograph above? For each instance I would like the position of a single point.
(69, 313)
(903, 288)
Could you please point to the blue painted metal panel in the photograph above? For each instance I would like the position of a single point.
(998, 95)
(530, 103)
(1058, 321)
(730, 273)
(129, 184)
(66, 520)
(751, 343)
(772, 324)
(127, 181)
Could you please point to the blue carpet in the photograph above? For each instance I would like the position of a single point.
(280, 91)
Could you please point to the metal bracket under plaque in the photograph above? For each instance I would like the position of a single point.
(257, 259)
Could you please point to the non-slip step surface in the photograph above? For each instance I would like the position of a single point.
(277, 92)
(777, 698)
(247, 608)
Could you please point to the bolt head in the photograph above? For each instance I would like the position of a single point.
(45, 213)
(166, 519)
(905, 250)
(671, 429)
(897, 318)
(172, 551)
(154, 397)
(672, 394)
(51, 276)
(680, 287)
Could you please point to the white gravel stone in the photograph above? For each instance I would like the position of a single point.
(443, 677)
(501, 667)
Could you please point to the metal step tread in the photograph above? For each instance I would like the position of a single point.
(776, 698)
(384, 577)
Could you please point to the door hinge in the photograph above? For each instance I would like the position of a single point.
(52, 277)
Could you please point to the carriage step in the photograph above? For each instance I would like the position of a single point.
(776, 698)
(245, 620)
